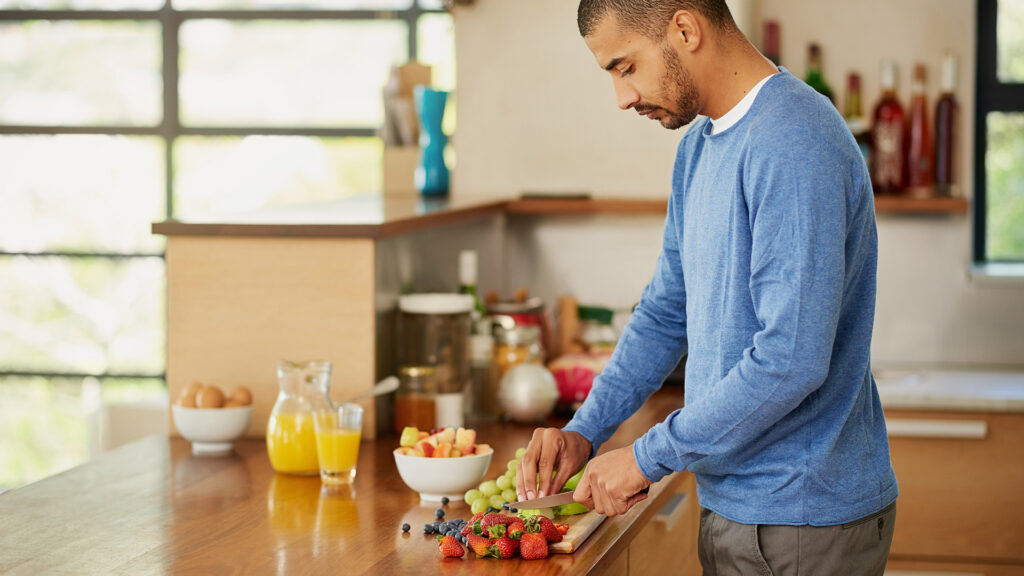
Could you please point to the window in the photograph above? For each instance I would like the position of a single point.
(115, 114)
(999, 133)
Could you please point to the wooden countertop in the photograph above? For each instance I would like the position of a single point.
(152, 507)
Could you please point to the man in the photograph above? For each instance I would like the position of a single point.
(766, 279)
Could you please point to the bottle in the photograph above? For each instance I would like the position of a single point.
(815, 79)
(945, 127)
(853, 113)
(920, 171)
(771, 41)
(291, 433)
(467, 282)
(596, 329)
(888, 137)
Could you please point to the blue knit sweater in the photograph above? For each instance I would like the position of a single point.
(766, 279)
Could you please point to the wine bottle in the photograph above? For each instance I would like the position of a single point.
(854, 115)
(945, 127)
(888, 137)
(815, 79)
(920, 171)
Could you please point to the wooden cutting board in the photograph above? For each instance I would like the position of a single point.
(580, 527)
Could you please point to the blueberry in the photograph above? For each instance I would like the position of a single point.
(513, 510)
(439, 512)
(406, 527)
(451, 533)
(445, 500)
(428, 529)
(504, 505)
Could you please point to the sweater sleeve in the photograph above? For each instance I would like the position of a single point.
(796, 209)
(649, 349)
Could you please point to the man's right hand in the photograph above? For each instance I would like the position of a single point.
(548, 450)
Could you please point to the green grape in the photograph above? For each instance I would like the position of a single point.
(472, 496)
(504, 482)
(496, 501)
(509, 495)
(489, 488)
(512, 465)
(520, 452)
(479, 505)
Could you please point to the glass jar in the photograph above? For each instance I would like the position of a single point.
(596, 329)
(515, 344)
(415, 402)
(291, 434)
(434, 331)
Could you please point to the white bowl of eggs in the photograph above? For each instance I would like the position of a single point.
(211, 420)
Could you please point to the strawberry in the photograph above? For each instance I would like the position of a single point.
(503, 547)
(547, 528)
(495, 518)
(562, 528)
(516, 529)
(533, 546)
(496, 530)
(467, 529)
(450, 547)
(478, 544)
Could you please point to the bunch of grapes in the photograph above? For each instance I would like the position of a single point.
(494, 493)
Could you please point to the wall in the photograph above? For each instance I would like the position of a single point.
(537, 114)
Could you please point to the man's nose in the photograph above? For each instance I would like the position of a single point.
(626, 97)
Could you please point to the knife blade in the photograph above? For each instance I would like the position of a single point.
(553, 500)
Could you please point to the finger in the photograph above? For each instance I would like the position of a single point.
(601, 503)
(527, 470)
(582, 493)
(638, 497)
(550, 456)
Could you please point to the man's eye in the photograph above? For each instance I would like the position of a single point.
(626, 71)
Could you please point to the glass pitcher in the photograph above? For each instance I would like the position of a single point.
(291, 435)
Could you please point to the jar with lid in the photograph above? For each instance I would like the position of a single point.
(596, 329)
(514, 344)
(291, 436)
(434, 331)
(415, 403)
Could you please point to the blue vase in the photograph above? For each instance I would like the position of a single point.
(431, 172)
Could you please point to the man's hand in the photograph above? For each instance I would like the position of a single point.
(612, 482)
(550, 449)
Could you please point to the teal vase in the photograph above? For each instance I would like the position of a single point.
(431, 171)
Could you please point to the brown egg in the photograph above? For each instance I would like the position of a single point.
(209, 397)
(187, 398)
(239, 396)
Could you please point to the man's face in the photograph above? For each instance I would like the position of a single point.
(647, 75)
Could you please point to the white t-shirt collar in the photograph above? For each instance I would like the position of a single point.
(738, 111)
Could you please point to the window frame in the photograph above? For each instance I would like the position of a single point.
(170, 128)
(991, 95)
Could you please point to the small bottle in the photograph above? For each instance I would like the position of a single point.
(771, 41)
(468, 280)
(888, 138)
(853, 113)
(920, 171)
(945, 127)
(815, 79)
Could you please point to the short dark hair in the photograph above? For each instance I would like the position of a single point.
(649, 17)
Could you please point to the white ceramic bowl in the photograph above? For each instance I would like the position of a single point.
(434, 478)
(212, 429)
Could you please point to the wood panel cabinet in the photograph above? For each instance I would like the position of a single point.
(668, 544)
(961, 477)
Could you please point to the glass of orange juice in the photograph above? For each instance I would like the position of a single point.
(337, 442)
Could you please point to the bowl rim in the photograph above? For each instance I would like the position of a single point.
(210, 410)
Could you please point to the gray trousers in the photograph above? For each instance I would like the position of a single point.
(858, 548)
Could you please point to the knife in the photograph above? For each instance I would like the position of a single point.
(553, 500)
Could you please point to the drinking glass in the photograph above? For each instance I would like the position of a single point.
(337, 442)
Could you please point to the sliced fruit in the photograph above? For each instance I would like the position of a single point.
(410, 436)
(465, 440)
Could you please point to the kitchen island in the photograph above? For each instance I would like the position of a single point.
(152, 507)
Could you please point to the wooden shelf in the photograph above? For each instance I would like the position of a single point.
(910, 205)
(567, 205)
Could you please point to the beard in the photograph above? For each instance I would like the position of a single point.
(677, 87)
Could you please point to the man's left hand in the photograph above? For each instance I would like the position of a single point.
(611, 483)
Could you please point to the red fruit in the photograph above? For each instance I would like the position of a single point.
(496, 530)
(467, 529)
(547, 528)
(503, 547)
(516, 529)
(562, 528)
(533, 546)
(450, 547)
(478, 544)
(495, 518)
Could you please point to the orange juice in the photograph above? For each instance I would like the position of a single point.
(338, 449)
(291, 443)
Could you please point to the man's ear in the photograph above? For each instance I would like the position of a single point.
(687, 30)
